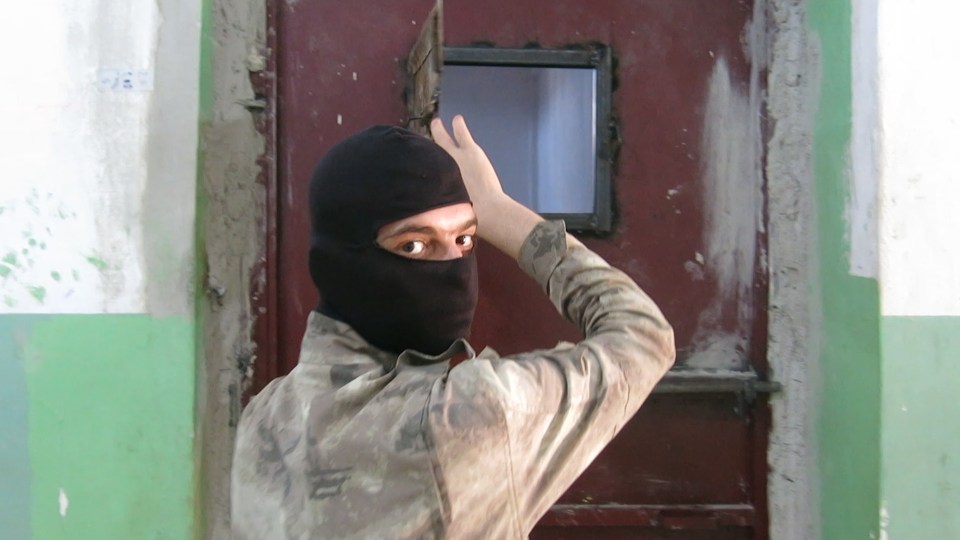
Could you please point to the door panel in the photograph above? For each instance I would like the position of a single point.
(678, 449)
(630, 533)
(664, 52)
(691, 465)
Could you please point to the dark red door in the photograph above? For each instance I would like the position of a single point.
(692, 463)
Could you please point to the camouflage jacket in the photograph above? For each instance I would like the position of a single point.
(358, 443)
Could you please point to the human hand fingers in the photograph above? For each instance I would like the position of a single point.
(461, 131)
(478, 174)
(441, 137)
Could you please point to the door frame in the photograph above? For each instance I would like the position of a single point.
(789, 225)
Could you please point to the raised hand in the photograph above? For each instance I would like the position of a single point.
(502, 221)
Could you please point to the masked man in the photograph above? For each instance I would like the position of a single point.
(374, 434)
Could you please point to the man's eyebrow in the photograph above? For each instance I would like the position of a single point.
(426, 229)
(472, 222)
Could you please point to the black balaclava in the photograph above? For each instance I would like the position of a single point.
(370, 179)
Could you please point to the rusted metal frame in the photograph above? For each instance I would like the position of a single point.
(602, 218)
(693, 516)
(748, 382)
(761, 419)
(760, 427)
(263, 286)
(489, 56)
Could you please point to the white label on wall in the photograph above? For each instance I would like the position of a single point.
(125, 80)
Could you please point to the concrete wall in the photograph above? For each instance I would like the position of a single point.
(233, 203)
(793, 352)
(97, 270)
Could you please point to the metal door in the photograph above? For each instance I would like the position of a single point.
(688, 228)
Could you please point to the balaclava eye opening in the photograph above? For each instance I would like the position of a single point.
(373, 178)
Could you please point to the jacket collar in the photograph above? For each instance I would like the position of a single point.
(329, 341)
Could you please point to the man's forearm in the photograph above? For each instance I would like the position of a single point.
(506, 224)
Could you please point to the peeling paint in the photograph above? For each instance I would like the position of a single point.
(694, 270)
(731, 184)
(97, 262)
(63, 502)
(884, 521)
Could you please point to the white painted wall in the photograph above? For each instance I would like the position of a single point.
(77, 151)
(863, 200)
(919, 157)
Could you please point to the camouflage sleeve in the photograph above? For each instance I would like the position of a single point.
(511, 434)
(562, 406)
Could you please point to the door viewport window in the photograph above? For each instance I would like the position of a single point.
(543, 117)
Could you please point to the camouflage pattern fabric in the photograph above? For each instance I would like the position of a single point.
(359, 443)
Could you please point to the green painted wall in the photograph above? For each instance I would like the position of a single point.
(848, 423)
(205, 97)
(921, 428)
(104, 411)
(15, 477)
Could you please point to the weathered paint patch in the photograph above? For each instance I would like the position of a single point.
(111, 423)
(38, 293)
(920, 440)
(64, 503)
(884, 521)
(732, 199)
(16, 484)
(97, 263)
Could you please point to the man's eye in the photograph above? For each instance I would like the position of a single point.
(465, 241)
(414, 247)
